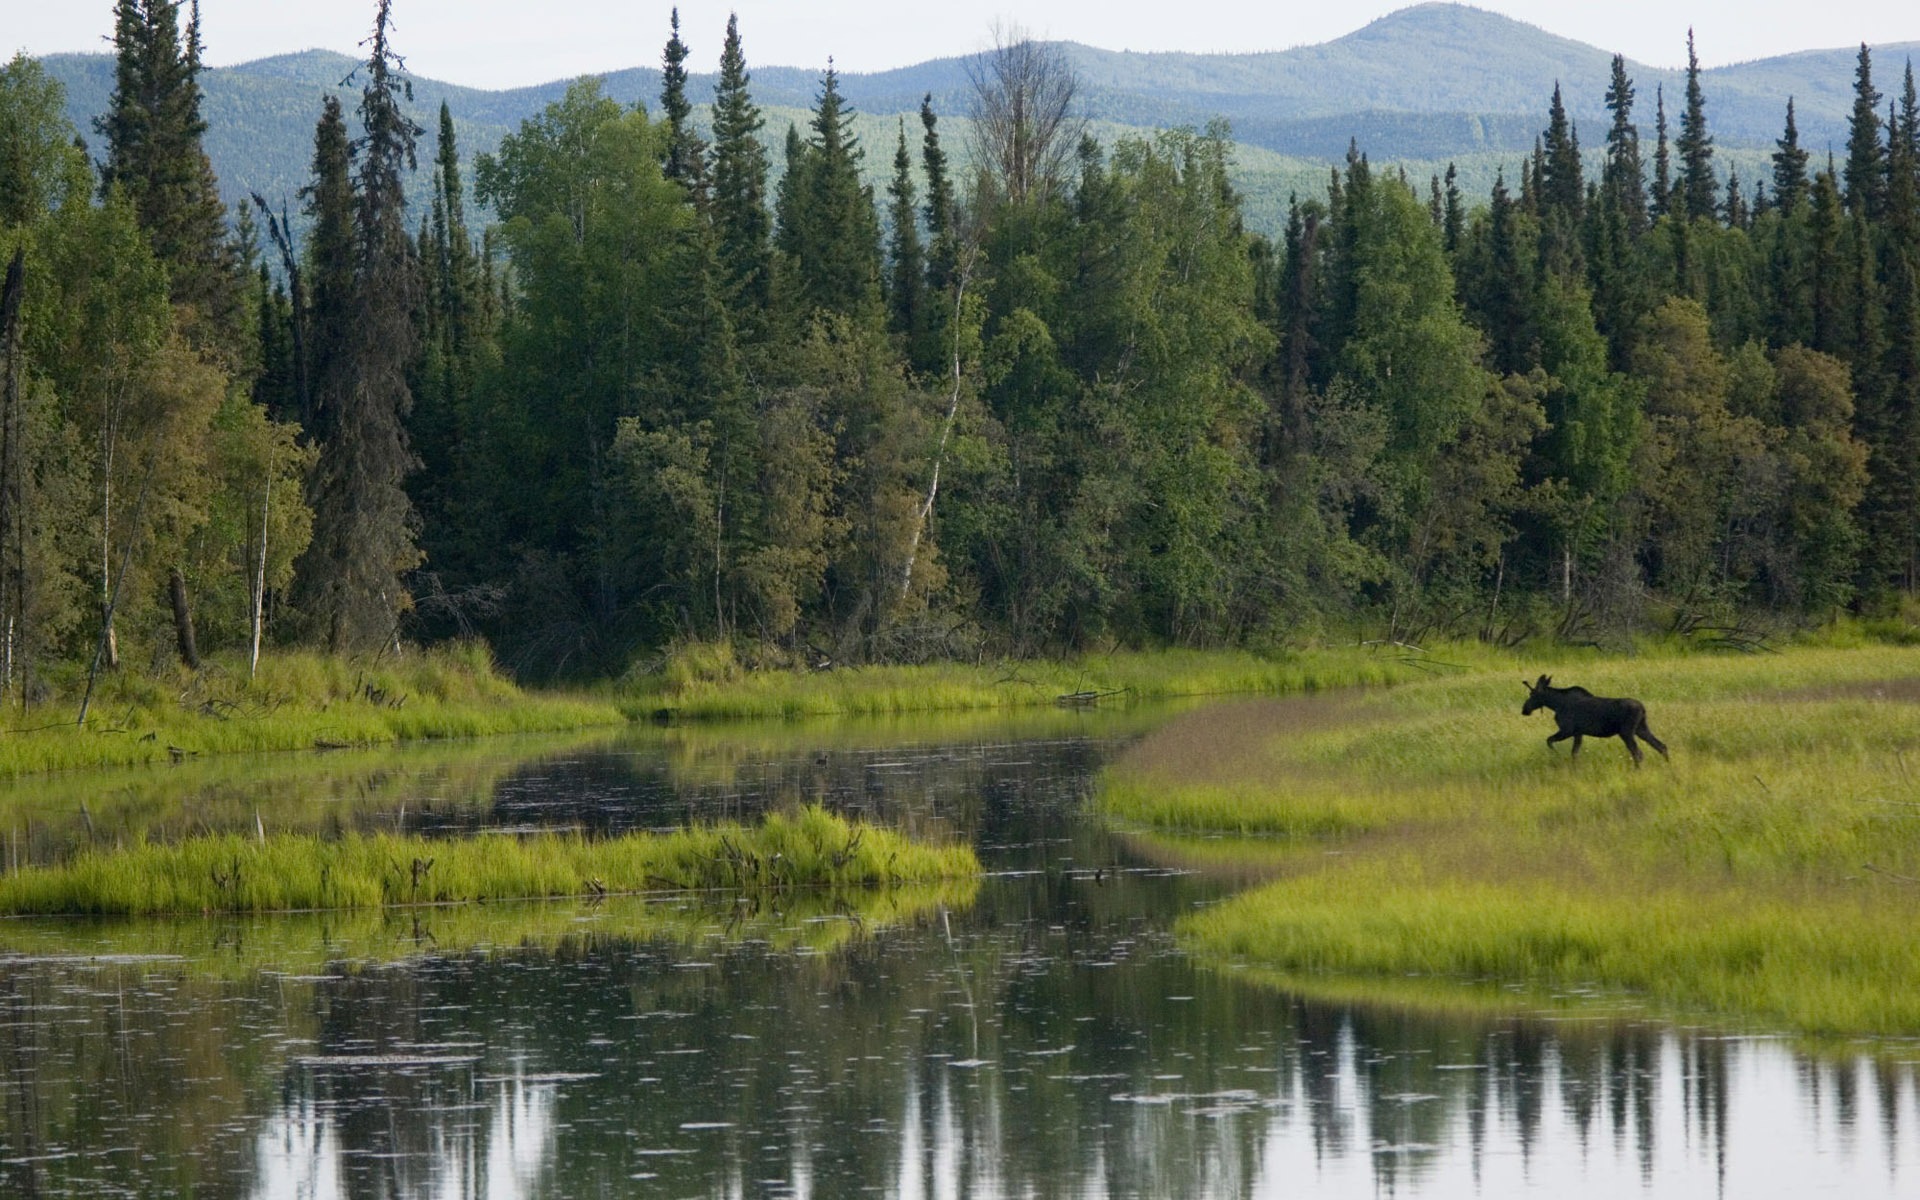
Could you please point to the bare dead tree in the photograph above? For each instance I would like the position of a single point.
(1026, 127)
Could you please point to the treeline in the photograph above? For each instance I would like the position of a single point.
(1042, 394)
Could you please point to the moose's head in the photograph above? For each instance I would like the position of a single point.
(1536, 694)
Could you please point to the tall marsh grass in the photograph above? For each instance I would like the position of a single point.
(810, 848)
(706, 682)
(1769, 872)
(297, 700)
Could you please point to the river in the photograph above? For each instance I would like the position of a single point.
(1042, 1036)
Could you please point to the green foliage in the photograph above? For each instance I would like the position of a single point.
(1083, 407)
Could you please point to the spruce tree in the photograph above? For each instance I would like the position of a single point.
(1453, 223)
(939, 210)
(1735, 210)
(1562, 186)
(1866, 158)
(1695, 146)
(1898, 529)
(906, 279)
(1660, 203)
(329, 275)
(828, 227)
(685, 155)
(363, 537)
(1789, 167)
(154, 132)
(739, 190)
(452, 329)
(1825, 268)
(1622, 184)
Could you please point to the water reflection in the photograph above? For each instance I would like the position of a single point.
(1045, 1040)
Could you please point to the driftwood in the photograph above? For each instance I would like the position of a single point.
(1076, 699)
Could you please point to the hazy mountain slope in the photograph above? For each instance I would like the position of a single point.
(1421, 86)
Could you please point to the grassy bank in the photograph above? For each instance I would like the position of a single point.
(707, 682)
(1770, 873)
(296, 701)
(809, 849)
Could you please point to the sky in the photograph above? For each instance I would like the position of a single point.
(509, 43)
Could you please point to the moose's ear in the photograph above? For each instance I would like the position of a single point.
(1545, 680)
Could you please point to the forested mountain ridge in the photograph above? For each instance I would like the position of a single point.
(1423, 86)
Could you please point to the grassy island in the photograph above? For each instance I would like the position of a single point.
(810, 849)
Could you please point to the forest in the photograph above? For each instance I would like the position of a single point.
(1043, 395)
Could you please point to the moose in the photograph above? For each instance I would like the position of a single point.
(1580, 714)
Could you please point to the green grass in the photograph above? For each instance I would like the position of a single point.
(706, 681)
(808, 849)
(297, 701)
(1770, 873)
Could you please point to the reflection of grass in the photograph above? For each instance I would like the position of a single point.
(811, 848)
(290, 792)
(721, 689)
(1771, 871)
(297, 701)
(314, 943)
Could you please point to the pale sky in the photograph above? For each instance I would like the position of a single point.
(508, 43)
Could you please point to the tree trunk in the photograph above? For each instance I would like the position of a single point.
(182, 620)
(10, 498)
(259, 588)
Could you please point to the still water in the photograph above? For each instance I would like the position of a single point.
(1041, 1037)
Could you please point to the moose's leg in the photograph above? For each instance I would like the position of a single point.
(1577, 739)
(1562, 736)
(1653, 741)
(1633, 747)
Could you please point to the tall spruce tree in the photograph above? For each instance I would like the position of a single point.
(1789, 167)
(1562, 185)
(1453, 220)
(328, 204)
(1866, 173)
(364, 526)
(1623, 184)
(1660, 203)
(1695, 146)
(939, 208)
(739, 190)
(1899, 529)
(906, 277)
(685, 157)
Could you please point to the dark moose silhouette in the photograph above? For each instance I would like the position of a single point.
(1581, 714)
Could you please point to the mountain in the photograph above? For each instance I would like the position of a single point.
(1420, 87)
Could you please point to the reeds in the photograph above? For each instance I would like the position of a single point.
(810, 848)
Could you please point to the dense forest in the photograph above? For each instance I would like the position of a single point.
(1041, 395)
